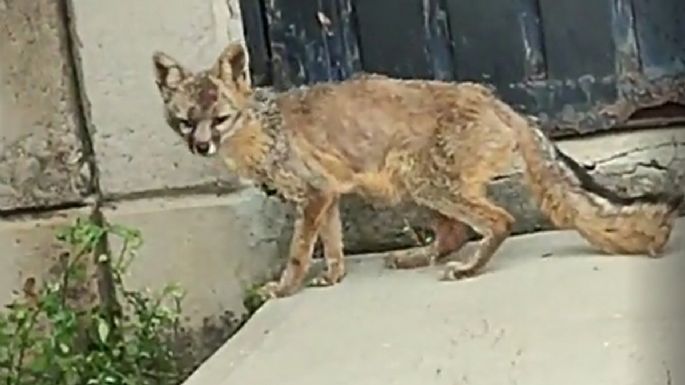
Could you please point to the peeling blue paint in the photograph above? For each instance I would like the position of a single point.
(580, 66)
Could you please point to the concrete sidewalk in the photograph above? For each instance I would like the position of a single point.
(571, 317)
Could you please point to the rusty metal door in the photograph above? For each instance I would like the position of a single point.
(579, 65)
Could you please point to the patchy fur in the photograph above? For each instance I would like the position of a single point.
(436, 143)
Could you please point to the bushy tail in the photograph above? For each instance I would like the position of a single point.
(572, 199)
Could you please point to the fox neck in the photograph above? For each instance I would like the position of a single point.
(248, 150)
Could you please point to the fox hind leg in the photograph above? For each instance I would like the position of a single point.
(450, 236)
(494, 224)
(486, 218)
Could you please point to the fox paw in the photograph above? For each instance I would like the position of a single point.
(274, 289)
(328, 278)
(454, 271)
(391, 261)
(407, 259)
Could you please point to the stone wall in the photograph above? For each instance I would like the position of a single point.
(81, 127)
(41, 162)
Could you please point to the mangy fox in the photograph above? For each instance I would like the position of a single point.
(435, 143)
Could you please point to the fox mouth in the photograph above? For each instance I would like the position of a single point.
(205, 149)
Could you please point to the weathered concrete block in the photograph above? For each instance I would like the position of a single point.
(30, 250)
(212, 247)
(40, 151)
(125, 110)
(631, 162)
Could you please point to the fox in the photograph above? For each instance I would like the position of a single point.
(389, 140)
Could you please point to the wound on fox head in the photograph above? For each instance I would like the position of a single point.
(208, 94)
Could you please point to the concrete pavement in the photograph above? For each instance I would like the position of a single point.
(548, 311)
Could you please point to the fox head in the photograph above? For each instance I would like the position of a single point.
(203, 107)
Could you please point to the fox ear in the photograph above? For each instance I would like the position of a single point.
(230, 66)
(168, 72)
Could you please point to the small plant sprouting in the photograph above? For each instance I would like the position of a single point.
(253, 299)
(51, 335)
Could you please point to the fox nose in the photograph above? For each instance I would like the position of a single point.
(202, 147)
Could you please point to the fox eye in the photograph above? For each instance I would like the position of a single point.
(219, 120)
(185, 126)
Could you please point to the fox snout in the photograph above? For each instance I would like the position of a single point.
(201, 147)
(201, 140)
